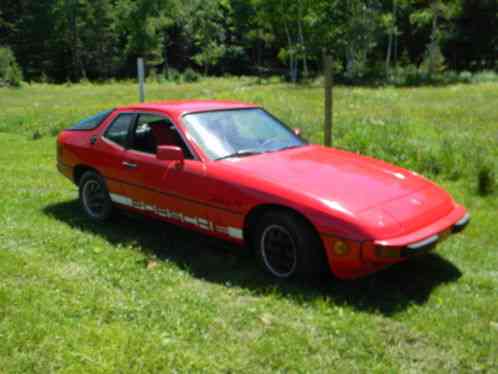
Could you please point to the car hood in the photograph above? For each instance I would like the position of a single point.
(375, 191)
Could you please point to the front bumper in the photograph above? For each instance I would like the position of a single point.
(369, 257)
(436, 227)
(462, 224)
(428, 244)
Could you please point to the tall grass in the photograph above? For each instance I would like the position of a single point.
(471, 157)
(140, 296)
(414, 76)
(443, 132)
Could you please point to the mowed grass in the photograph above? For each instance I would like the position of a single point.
(138, 295)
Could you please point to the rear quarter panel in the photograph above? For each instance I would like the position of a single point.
(76, 150)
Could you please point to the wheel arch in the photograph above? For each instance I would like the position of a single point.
(79, 170)
(251, 219)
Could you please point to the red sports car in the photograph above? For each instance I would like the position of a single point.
(234, 171)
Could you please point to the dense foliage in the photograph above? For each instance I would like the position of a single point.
(64, 40)
(10, 73)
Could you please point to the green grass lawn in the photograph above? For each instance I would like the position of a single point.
(138, 295)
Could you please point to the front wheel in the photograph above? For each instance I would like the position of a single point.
(94, 197)
(287, 246)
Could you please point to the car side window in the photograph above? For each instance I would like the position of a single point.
(152, 131)
(119, 128)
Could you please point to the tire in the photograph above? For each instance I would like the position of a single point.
(287, 246)
(94, 197)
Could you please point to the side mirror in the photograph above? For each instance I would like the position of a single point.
(170, 153)
(297, 131)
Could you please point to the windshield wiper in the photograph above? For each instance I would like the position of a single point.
(288, 147)
(241, 153)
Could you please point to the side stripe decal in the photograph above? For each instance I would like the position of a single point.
(174, 195)
(167, 213)
(235, 233)
(123, 200)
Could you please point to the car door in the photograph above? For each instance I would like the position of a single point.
(108, 150)
(159, 187)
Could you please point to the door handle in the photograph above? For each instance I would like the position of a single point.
(129, 165)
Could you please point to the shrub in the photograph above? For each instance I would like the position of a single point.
(260, 81)
(377, 72)
(190, 76)
(173, 75)
(486, 182)
(486, 76)
(449, 77)
(152, 77)
(409, 75)
(36, 135)
(414, 76)
(10, 73)
(85, 81)
(275, 79)
(465, 77)
(43, 78)
(436, 58)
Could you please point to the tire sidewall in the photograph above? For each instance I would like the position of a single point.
(297, 234)
(90, 176)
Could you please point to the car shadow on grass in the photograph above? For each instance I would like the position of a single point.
(388, 292)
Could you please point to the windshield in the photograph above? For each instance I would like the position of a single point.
(235, 133)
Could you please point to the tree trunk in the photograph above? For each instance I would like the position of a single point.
(258, 52)
(392, 36)
(396, 48)
(388, 54)
(301, 39)
(78, 68)
(166, 66)
(434, 40)
(349, 61)
(292, 55)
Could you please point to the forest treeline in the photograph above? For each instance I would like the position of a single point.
(61, 40)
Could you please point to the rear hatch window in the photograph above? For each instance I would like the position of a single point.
(92, 122)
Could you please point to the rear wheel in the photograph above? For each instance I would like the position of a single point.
(94, 197)
(287, 246)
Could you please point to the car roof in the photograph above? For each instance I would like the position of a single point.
(180, 107)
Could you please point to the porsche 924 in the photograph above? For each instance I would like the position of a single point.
(234, 171)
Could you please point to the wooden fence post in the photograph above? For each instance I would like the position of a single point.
(328, 123)
(141, 79)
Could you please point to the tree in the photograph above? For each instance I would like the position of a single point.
(30, 34)
(5, 28)
(389, 23)
(10, 73)
(206, 30)
(434, 13)
(101, 55)
(142, 24)
(474, 41)
(288, 21)
(349, 30)
(71, 23)
(99, 39)
(360, 34)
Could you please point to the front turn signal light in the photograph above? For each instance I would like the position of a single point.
(341, 248)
